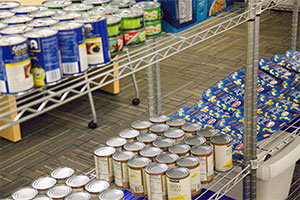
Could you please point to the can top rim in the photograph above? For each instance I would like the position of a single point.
(188, 161)
(159, 128)
(146, 137)
(41, 13)
(78, 7)
(156, 168)
(150, 151)
(25, 193)
(134, 146)
(25, 8)
(77, 180)
(201, 150)
(157, 118)
(67, 25)
(176, 121)
(206, 132)
(62, 172)
(116, 142)
(195, 140)
(59, 191)
(139, 162)
(109, 194)
(141, 124)
(167, 158)
(56, 3)
(96, 186)
(105, 151)
(79, 195)
(17, 19)
(147, 5)
(40, 33)
(177, 173)
(131, 12)
(179, 148)
(42, 197)
(129, 133)
(191, 127)
(8, 40)
(91, 17)
(174, 133)
(43, 183)
(9, 4)
(163, 142)
(95, 1)
(221, 139)
(123, 155)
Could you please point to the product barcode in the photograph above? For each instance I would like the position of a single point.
(2, 87)
(70, 68)
(53, 75)
(139, 189)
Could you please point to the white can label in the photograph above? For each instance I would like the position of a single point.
(94, 51)
(120, 173)
(195, 178)
(179, 189)
(206, 167)
(223, 157)
(156, 186)
(104, 168)
(136, 180)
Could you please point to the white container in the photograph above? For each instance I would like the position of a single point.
(178, 183)
(222, 145)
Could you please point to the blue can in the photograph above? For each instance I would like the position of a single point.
(17, 19)
(7, 5)
(96, 38)
(45, 56)
(293, 54)
(15, 76)
(73, 48)
(66, 16)
(24, 10)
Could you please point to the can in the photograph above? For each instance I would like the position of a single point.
(180, 149)
(116, 142)
(129, 134)
(96, 38)
(159, 129)
(122, 4)
(134, 147)
(158, 119)
(132, 19)
(24, 193)
(113, 25)
(207, 133)
(179, 183)
(61, 174)
(24, 9)
(194, 140)
(42, 23)
(134, 37)
(17, 19)
(40, 14)
(42, 197)
(120, 164)
(2, 25)
(45, 56)
(137, 176)
(222, 146)
(77, 182)
(115, 45)
(153, 29)
(104, 163)
(15, 76)
(193, 165)
(5, 14)
(152, 10)
(141, 126)
(167, 158)
(156, 181)
(96, 3)
(72, 47)
(79, 7)
(175, 122)
(147, 138)
(190, 128)
(79, 196)
(107, 10)
(150, 152)
(42, 184)
(66, 16)
(41, 7)
(56, 4)
(59, 192)
(110, 194)
(94, 187)
(176, 134)
(7, 5)
(163, 143)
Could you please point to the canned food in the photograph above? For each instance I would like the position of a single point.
(153, 29)
(79, 196)
(40, 14)
(176, 134)
(72, 47)
(167, 158)
(61, 174)
(163, 143)
(137, 176)
(41, 7)
(66, 16)
(110, 194)
(5, 14)
(113, 25)
(94, 187)
(24, 193)
(104, 163)
(175, 122)
(77, 182)
(15, 65)
(179, 183)
(45, 56)
(79, 7)
(159, 129)
(43, 184)
(122, 3)
(7, 5)
(2, 25)
(56, 4)
(147, 138)
(59, 192)
(134, 37)
(96, 38)
(194, 140)
(42, 197)
(42, 23)
(129, 134)
(17, 19)
(132, 19)
(115, 45)
(205, 155)
(116, 142)
(24, 10)
(156, 181)
(158, 119)
(152, 10)
(107, 10)
(150, 152)
(180, 149)
(207, 133)
(120, 159)
(96, 2)
(193, 164)
(134, 147)
(141, 126)
(190, 128)
(222, 145)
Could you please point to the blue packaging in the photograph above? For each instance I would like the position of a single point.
(45, 56)
(202, 11)
(211, 109)
(293, 54)
(232, 127)
(287, 94)
(295, 85)
(230, 87)
(289, 63)
(267, 126)
(216, 6)
(238, 77)
(237, 148)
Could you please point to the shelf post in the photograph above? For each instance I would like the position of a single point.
(295, 24)
(92, 104)
(150, 87)
(157, 82)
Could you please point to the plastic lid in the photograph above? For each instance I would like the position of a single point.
(79, 196)
(134, 146)
(96, 186)
(177, 121)
(24, 194)
(167, 158)
(221, 139)
(105, 151)
(43, 183)
(179, 148)
(159, 118)
(139, 162)
(156, 168)
(141, 124)
(191, 127)
(129, 133)
(207, 132)
(146, 137)
(116, 142)
(188, 161)
(62, 173)
(201, 150)
(40, 33)
(123, 155)
(177, 173)
(77, 181)
(174, 133)
(159, 128)
(195, 140)
(7, 40)
(59, 191)
(111, 194)
(150, 152)
(163, 143)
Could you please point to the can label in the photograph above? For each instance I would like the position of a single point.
(152, 14)
(195, 179)
(179, 189)
(156, 187)
(115, 45)
(206, 167)
(137, 181)
(121, 173)
(153, 29)
(223, 157)
(104, 168)
(135, 37)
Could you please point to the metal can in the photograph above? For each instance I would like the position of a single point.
(222, 146)
(205, 154)
(2, 25)
(17, 19)
(175, 122)
(42, 23)
(42, 184)
(134, 147)
(15, 76)
(107, 10)
(40, 14)
(152, 10)
(115, 45)
(45, 56)
(5, 14)
(7, 5)
(134, 37)
(116, 142)
(77, 182)
(24, 9)
(59, 192)
(156, 181)
(79, 196)
(96, 3)
(153, 29)
(137, 176)
(179, 183)
(110, 194)
(167, 158)
(132, 19)
(104, 163)
(150, 152)
(42, 197)
(141, 126)
(66, 16)
(56, 4)
(24, 193)
(147, 138)
(129, 134)
(158, 119)
(180, 149)
(176, 134)
(79, 7)
(207, 133)
(159, 129)
(96, 38)
(72, 47)
(194, 140)
(190, 128)
(122, 4)
(61, 174)
(94, 187)
(193, 164)
(120, 160)
(163, 143)
(113, 25)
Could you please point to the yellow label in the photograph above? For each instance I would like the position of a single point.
(16, 64)
(92, 39)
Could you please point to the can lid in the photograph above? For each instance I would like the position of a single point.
(201, 150)
(9, 4)
(42, 197)
(221, 139)
(64, 15)
(122, 3)
(7, 40)
(24, 194)
(67, 25)
(107, 10)
(188, 161)
(131, 12)
(116, 142)
(206, 132)
(178, 173)
(6, 14)
(56, 3)
(129, 133)
(95, 1)
(42, 22)
(42, 13)
(96, 186)
(15, 29)
(156, 168)
(146, 137)
(134, 146)
(123, 155)
(43, 183)
(163, 142)
(167, 158)
(174, 133)
(40, 33)
(77, 180)
(195, 140)
(79, 196)
(159, 128)
(179, 148)
(25, 8)
(147, 5)
(158, 118)
(191, 127)
(91, 17)
(78, 7)
(62, 173)
(139, 162)
(140, 124)
(2, 25)
(177, 121)
(150, 152)
(110, 194)
(59, 191)
(104, 151)
(17, 19)
(113, 19)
